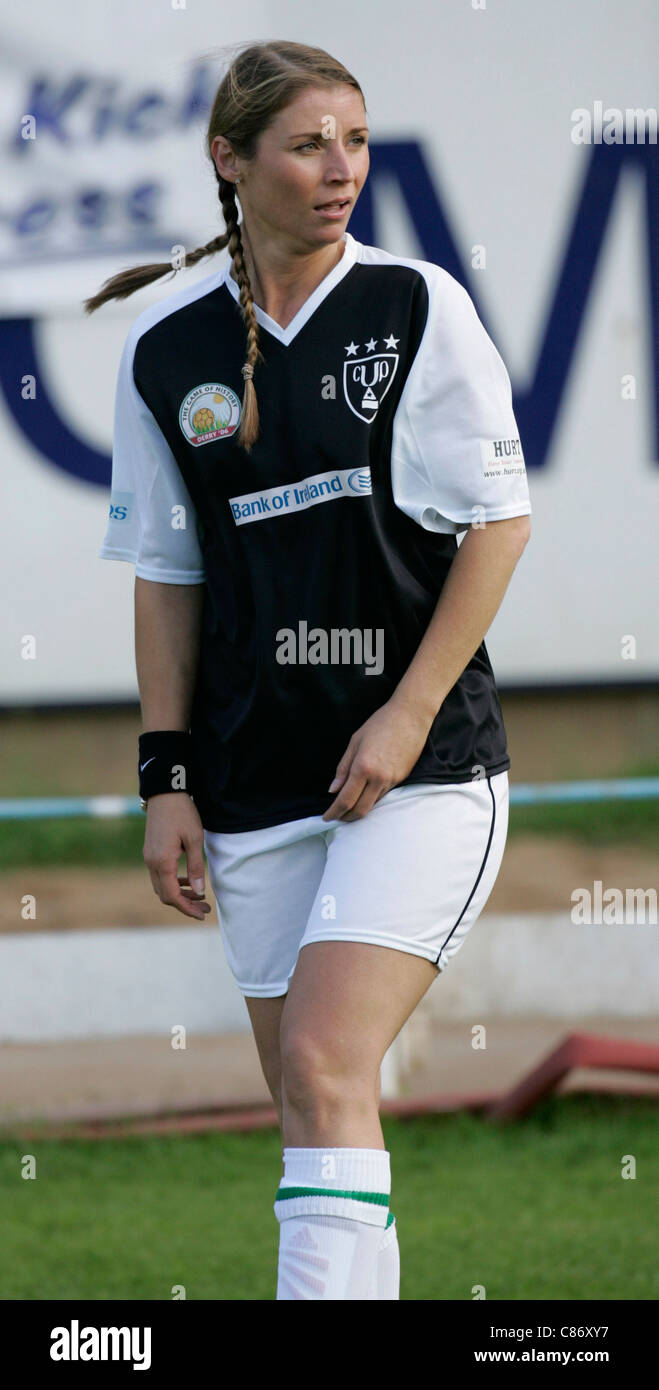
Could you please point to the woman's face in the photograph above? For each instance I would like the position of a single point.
(315, 151)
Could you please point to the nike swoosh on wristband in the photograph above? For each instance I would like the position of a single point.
(146, 764)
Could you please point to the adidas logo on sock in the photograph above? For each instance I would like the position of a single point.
(304, 1240)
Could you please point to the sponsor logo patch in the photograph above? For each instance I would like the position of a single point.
(502, 458)
(211, 411)
(320, 487)
(121, 506)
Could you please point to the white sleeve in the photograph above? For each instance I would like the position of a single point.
(152, 521)
(456, 456)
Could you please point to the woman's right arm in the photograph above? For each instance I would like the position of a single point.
(167, 634)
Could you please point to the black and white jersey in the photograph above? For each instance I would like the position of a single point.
(386, 429)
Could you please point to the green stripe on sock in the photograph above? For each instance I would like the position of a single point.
(380, 1199)
(390, 1218)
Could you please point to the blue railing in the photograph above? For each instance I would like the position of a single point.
(521, 794)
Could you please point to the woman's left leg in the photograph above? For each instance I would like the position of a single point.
(346, 1003)
(265, 1016)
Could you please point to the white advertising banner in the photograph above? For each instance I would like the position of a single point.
(514, 145)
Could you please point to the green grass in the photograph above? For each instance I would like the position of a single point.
(534, 1210)
(72, 840)
(591, 822)
(79, 840)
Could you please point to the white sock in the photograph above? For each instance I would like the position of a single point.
(386, 1285)
(332, 1206)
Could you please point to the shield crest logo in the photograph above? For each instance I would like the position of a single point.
(366, 381)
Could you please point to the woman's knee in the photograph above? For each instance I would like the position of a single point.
(317, 1074)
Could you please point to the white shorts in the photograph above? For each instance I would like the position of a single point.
(413, 874)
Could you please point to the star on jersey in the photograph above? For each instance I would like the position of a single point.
(366, 380)
(389, 342)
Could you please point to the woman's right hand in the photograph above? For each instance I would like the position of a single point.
(173, 828)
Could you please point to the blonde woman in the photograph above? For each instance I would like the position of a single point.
(299, 439)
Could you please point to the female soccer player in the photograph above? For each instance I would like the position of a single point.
(320, 712)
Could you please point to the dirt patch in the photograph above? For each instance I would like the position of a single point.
(538, 874)
(94, 752)
(552, 736)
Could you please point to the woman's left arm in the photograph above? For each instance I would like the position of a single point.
(382, 752)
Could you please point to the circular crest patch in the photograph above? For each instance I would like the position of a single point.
(211, 411)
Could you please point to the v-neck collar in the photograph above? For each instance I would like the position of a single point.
(286, 335)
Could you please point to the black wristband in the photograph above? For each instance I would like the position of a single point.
(165, 762)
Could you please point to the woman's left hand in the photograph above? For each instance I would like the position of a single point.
(379, 755)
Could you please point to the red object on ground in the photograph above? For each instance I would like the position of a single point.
(576, 1050)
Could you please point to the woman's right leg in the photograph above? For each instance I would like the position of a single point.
(264, 882)
(265, 1018)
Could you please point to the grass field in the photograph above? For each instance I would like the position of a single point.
(92, 752)
(536, 1210)
(80, 840)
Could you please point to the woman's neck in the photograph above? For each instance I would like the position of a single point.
(281, 291)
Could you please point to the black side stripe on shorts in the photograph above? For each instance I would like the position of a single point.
(479, 875)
